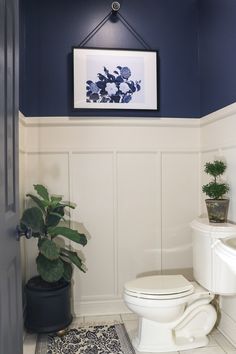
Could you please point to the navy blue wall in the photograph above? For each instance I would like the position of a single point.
(217, 48)
(49, 30)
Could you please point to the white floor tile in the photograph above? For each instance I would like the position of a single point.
(29, 344)
(206, 350)
(131, 328)
(223, 342)
(129, 316)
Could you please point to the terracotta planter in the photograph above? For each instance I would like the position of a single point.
(48, 306)
(217, 210)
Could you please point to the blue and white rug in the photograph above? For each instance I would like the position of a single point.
(95, 339)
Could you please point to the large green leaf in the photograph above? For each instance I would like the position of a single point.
(56, 199)
(38, 201)
(49, 249)
(74, 258)
(69, 205)
(50, 271)
(72, 235)
(67, 275)
(42, 191)
(33, 218)
(54, 216)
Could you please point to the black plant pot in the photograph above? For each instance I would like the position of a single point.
(48, 306)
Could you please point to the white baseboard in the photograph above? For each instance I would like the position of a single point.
(227, 327)
(102, 307)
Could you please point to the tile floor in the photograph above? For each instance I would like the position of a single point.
(218, 344)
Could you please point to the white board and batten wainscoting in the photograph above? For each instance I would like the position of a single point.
(137, 185)
(218, 138)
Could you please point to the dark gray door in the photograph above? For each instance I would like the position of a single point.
(10, 277)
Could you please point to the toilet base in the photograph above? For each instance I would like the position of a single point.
(188, 332)
(181, 344)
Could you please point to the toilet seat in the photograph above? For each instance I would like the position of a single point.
(159, 287)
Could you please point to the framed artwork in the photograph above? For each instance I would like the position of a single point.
(115, 79)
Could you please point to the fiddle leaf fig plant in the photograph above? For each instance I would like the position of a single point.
(53, 261)
(215, 189)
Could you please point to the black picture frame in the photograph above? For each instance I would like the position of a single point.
(115, 79)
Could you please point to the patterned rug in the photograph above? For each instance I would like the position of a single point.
(96, 339)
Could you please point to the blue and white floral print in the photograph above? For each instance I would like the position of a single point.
(124, 87)
(112, 88)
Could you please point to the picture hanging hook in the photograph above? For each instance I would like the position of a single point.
(115, 6)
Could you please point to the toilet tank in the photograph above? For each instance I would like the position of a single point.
(211, 268)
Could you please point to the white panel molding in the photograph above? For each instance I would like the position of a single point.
(69, 169)
(115, 223)
(220, 114)
(122, 137)
(214, 149)
(41, 145)
(100, 307)
(218, 129)
(167, 135)
(163, 122)
(219, 149)
(217, 139)
(22, 131)
(199, 184)
(66, 150)
(228, 147)
(109, 121)
(159, 227)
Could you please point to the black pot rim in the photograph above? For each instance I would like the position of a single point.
(30, 285)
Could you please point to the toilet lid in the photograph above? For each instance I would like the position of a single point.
(160, 285)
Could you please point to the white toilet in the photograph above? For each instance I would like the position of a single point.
(175, 314)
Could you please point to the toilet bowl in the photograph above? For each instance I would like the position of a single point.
(175, 314)
(171, 313)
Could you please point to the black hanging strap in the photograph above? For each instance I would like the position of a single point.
(134, 32)
(125, 23)
(95, 30)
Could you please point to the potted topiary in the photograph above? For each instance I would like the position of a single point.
(217, 206)
(48, 294)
